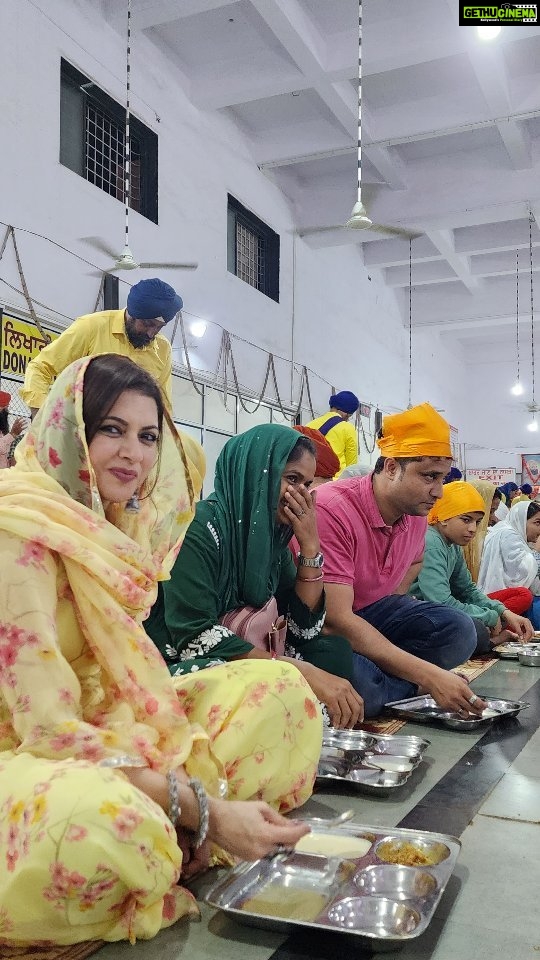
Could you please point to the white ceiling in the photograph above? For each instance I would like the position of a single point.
(451, 135)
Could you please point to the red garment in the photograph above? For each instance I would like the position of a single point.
(516, 599)
(327, 461)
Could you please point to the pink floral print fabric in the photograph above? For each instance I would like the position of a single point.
(84, 692)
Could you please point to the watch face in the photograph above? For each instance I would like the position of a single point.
(311, 561)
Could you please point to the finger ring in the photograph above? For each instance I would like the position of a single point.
(280, 850)
(301, 513)
(473, 699)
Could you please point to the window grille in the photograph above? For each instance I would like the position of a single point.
(252, 250)
(92, 143)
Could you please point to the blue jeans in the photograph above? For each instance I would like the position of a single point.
(431, 631)
(533, 613)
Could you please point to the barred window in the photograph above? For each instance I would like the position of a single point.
(92, 143)
(252, 249)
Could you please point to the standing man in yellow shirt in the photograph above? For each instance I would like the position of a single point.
(335, 426)
(133, 333)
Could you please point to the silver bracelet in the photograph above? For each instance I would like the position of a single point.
(174, 800)
(204, 812)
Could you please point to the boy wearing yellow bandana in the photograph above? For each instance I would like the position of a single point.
(444, 577)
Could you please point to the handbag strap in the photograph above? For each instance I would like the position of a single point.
(328, 424)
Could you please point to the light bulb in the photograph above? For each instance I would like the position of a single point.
(517, 389)
(533, 425)
(489, 33)
(198, 328)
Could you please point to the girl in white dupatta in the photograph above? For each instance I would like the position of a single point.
(507, 559)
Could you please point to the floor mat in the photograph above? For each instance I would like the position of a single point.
(476, 667)
(77, 951)
(382, 725)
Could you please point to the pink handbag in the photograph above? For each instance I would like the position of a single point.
(261, 626)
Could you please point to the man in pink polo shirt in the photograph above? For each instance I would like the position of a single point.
(372, 532)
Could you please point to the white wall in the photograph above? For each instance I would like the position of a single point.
(347, 327)
(489, 382)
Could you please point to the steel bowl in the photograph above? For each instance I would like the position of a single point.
(430, 852)
(375, 916)
(395, 882)
(529, 657)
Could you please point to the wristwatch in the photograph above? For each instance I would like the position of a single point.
(310, 561)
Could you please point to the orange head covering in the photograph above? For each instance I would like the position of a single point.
(458, 497)
(5, 399)
(327, 461)
(418, 432)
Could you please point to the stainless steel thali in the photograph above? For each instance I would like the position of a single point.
(512, 649)
(374, 897)
(369, 763)
(423, 709)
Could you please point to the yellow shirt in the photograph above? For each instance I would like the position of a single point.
(342, 438)
(91, 335)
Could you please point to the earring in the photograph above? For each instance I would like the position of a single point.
(133, 505)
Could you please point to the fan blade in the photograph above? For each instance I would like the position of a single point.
(395, 231)
(102, 245)
(171, 266)
(309, 231)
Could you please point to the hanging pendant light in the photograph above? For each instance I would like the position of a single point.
(517, 389)
(359, 219)
(533, 425)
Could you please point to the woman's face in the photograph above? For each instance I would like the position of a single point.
(513, 494)
(533, 528)
(494, 506)
(462, 529)
(298, 474)
(125, 447)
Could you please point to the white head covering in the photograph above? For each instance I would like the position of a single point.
(507, 560)
(517, 518)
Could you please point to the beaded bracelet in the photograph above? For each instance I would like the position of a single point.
(174, 800)
(204, 812)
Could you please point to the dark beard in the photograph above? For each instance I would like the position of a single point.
(137, 340)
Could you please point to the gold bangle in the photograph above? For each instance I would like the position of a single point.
(310, 579)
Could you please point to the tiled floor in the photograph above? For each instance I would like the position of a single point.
(487, 785)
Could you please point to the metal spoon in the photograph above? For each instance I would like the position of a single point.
(332, 822)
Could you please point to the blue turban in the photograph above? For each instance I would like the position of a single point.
(453, 475)
(508, 488)
(153, 298)
(345, 400)
(526, 489)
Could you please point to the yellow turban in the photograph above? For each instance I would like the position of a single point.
(418, 432)
(458, 497)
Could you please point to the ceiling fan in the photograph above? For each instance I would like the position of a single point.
(125, 260)
(359, 219)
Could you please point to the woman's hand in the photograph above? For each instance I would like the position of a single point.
(251, 829)
(300, 512)
(345, 706)
(194, 861)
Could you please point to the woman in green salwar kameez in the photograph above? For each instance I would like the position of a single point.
(236, 553)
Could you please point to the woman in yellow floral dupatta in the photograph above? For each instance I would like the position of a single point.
(104, 767)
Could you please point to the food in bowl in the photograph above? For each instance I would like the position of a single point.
(334, 845)
(412, 854)
(290, 904)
